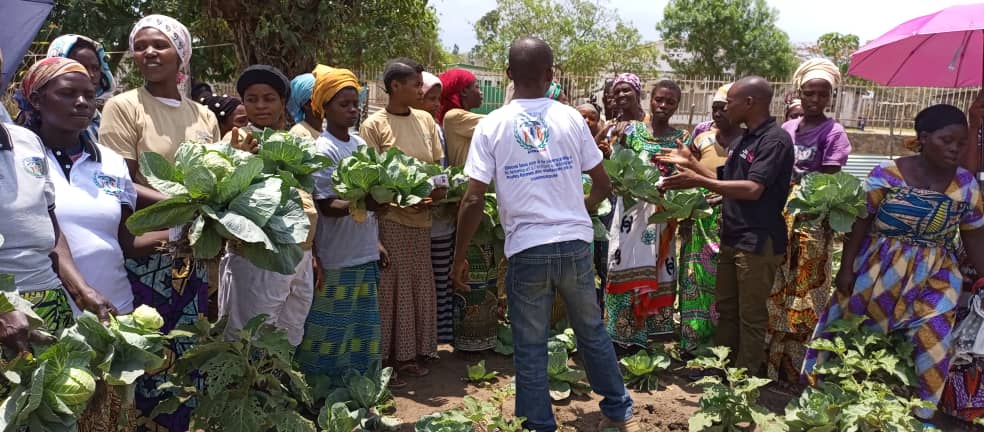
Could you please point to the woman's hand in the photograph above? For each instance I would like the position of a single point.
(247, 143)
(680, 156)
(91, 300)
(438, 194)
(384, 258)
(844, 281)
(374, 206)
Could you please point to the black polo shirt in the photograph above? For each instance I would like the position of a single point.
(765, 156)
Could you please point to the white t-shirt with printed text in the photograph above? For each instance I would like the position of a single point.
(535, 151)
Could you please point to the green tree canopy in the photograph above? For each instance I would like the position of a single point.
(737, 37)
(838, 48)
(586, 36)
(295, 35)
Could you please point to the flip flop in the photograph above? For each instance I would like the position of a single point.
(396, 383)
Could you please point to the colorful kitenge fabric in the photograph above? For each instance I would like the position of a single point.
(908, 279)
(53, 306)
(799, 296)
(178, 290)
(407, 301)
(641, 290)
(700, 243)
(963, 396)
(342, 330)
(442, 251)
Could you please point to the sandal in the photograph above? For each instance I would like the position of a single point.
(396, 383)
(413, 369)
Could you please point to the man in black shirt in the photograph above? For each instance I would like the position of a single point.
(754, 183)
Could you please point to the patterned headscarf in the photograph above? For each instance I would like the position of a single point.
(631, 79)
(453, 81)
(554, 91)
(175, 31)
(62, 45)
(328, 81)
(300, 93)
(817, 68)
(36, 77)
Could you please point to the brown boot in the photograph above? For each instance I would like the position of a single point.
(609, 425)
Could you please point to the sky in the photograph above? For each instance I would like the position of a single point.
(803, 21)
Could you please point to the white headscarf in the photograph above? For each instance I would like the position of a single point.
(430, 80)
(721, 95)
(175, 31)
(817, 68)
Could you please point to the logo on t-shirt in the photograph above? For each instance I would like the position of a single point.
(747, 155)
(109, 185)
(531, 132)
(34, 166)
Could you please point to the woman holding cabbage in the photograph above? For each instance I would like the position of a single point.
(345, 305)
(245, 289)
(158, 118)
(641, 289)
(803, 282)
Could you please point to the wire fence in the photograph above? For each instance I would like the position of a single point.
(875, 107)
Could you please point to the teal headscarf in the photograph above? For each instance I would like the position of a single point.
(62, 45)
(300, 92)
(554, 91)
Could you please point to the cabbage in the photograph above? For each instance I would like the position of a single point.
(226, 194)
(633, 177)
(73, 386)
(834, 198)
(390, 178)
(147, 318)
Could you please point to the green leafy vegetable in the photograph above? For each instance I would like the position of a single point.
(504, 339)
(477, 374)
(563, 379)
(633, 177)
(389, 178)
(835, 198)
(224, 194)
(338, 418)
(292, 158)
(730, 403)
(48, 392)
(250, 384)
(642, 369)
(680, 205)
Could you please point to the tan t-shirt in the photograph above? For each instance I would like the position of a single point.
(459, 125)
(304, 130)
(712, 154)
(416, 135)
(135, 122)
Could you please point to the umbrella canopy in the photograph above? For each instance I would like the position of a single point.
(943, 49)
(19, 23)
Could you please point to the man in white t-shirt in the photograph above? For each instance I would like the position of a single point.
(535, 150)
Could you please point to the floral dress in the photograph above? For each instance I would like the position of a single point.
(908, 279)
(641, 289)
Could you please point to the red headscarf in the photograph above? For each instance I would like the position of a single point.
(453, 81)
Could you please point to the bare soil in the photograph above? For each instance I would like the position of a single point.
(665, 410)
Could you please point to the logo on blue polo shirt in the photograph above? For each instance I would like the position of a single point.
(34, 166)
(109, 185)
(531, 132)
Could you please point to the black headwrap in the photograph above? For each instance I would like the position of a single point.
(264, 74)
(223, 106)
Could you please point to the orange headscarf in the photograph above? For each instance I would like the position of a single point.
(48, 69)
(328, 81)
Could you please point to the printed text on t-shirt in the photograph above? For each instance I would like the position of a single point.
(540, 168)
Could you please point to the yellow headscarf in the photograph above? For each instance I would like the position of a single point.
(328, 81)
(817, 68)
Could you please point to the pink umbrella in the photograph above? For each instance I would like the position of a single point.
(943, 49)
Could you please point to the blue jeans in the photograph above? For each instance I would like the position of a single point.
(534, 275)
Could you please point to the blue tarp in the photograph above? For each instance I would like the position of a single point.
(20, 21)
